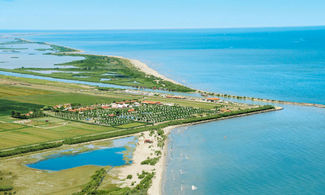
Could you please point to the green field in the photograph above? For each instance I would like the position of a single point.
(38, 130)
(14, 132)
(6, 106)
(43, 97)
(131, 125)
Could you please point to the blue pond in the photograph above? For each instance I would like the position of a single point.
(101, 157)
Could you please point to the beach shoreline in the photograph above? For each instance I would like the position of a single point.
(150, 71)
(142, 67)
(157, 182)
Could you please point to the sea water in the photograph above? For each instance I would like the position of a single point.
(273, 153)
(281, 63)
(280, 152)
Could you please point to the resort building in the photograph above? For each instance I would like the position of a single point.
(213, 99)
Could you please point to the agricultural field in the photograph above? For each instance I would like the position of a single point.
(20, 95)
(16, 132)
(10, 91)
(32, 131)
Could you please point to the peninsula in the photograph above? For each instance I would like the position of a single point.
(41, 120)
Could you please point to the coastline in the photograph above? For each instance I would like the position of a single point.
(149, 71)
(143, 68)
(157, 181)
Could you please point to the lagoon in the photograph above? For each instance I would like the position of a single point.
(102, 156)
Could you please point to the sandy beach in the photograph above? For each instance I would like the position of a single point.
(149, 71)
(156, 187)
(142, 152)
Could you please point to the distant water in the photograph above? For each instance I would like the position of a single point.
(29, 56)
(285, 63)
(273, 153)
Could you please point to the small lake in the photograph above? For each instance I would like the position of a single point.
(112, 156)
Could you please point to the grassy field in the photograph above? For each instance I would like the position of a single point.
(130, 125)
(7, 91)
(37, 130)
(6, 106)
(42, 97)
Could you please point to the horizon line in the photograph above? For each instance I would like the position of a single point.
(185, 28)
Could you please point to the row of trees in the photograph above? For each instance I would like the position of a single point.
(145, 113)
(26, 149)
(31, 114)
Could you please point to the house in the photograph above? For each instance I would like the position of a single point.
(150, 102)
(131, 110)
(114, 105)
(213, 99)
(106, 107)
(224, 110)
(175, 97)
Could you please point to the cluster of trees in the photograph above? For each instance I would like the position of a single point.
(161, 113)
(6, 188)
(32, 114)
(150, 161)
(145, 113)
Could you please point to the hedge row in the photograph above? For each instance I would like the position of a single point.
(26, 149)
(6, 188)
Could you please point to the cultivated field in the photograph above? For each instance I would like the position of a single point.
(32, 131)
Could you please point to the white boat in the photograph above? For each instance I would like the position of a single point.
(194, 187)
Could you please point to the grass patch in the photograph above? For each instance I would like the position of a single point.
(131, 125)
(7, 91)
(6, 106)
(39, 131)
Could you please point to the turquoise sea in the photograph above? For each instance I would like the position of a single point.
(281, 152)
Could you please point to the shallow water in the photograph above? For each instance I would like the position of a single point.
(28, 56)
(111, 156)
(272, 153)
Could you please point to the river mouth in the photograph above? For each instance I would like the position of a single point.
(118, 154)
